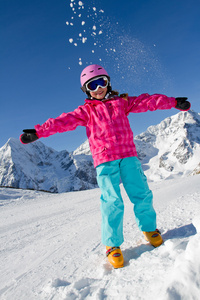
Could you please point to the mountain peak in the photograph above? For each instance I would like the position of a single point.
(36, 166)
(171, 148)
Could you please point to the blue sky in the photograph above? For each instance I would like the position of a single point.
(147, 46)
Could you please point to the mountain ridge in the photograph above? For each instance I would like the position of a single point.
(36, 166)
(167, 150)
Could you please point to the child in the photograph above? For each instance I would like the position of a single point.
(104, 115)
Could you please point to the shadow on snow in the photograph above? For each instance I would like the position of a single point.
(181, 232)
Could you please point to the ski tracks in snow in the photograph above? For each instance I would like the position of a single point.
(160, 273)
(51, 250)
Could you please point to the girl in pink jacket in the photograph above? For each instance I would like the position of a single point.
(104, 115)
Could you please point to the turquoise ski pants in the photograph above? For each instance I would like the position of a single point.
(112, 207)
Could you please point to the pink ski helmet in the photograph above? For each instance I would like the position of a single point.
(90, 72)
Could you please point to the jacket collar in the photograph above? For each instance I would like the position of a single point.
(96, 102)
(93, 102)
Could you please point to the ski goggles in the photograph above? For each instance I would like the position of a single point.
(93, 85)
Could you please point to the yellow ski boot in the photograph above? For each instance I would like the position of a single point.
(154, 237)
(115, 256)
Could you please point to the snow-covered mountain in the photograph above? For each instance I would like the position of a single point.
(83, 149)
(167, 150)
(36, 166)
(172, 148)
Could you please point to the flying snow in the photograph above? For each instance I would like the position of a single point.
(92, 34)
(90, 28)
(88, 33)
(84, 39)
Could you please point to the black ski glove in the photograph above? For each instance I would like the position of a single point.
(182, 103)
(28, 136)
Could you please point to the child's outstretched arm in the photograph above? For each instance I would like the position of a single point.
(147, 102)
(65, 122)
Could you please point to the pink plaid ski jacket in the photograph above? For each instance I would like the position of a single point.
(107, 126)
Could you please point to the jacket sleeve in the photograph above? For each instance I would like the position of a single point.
(147, 102)
(65, 122)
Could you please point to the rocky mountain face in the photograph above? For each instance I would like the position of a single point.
(36, 166)
(171, 148)
(167, 150)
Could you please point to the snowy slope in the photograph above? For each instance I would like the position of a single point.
(50, 247)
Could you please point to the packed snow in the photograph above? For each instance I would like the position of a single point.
(51, 246)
